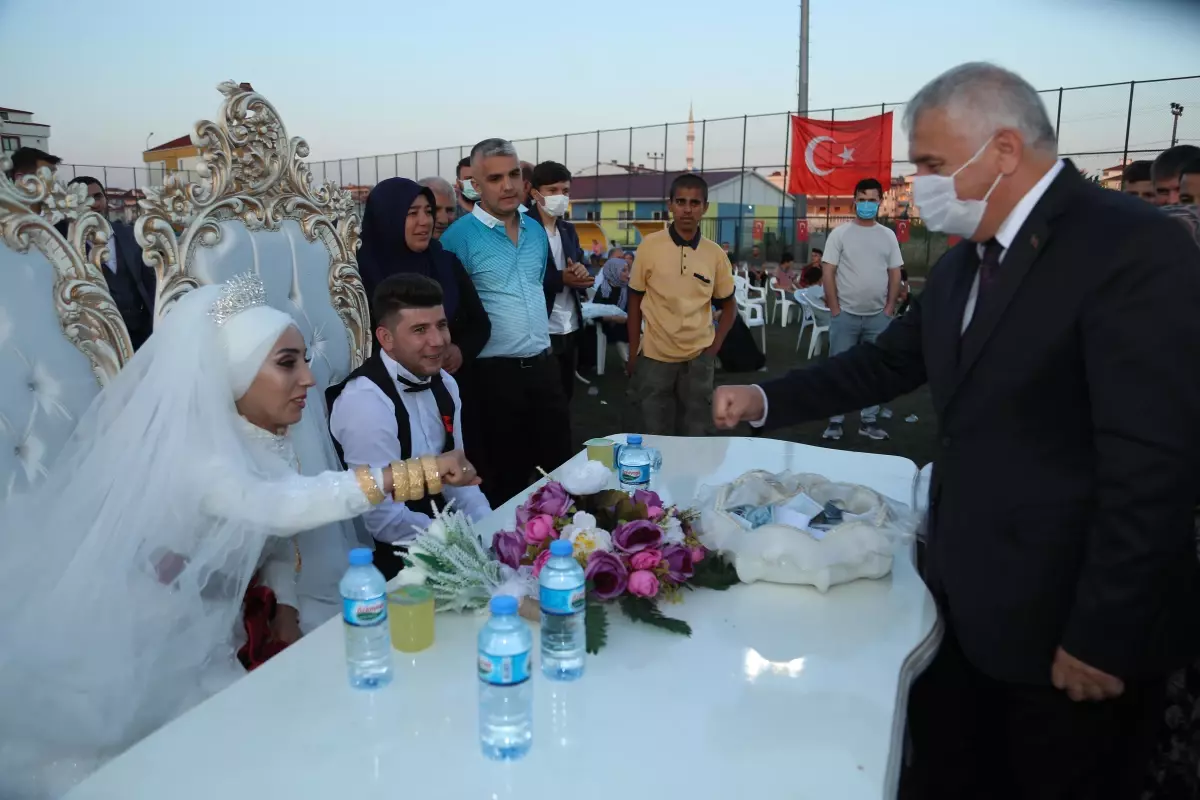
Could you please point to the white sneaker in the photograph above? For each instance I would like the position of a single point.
(834, 431)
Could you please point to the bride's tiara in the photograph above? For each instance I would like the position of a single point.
(238, 294)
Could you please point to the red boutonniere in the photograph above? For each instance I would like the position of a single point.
(448, 423)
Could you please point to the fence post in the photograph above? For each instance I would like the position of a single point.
(416, 168)
(741, 188)
(666, 128)
(787, 169)
(341, 183)
(396, 164)
(829, 198)
(1058, 118)
(358, 171)
(1128, 123)
(703, 141)
(596, 182)
(628, 182)
(537, 152)
(564, 150)
(439, 163)
(376, 169)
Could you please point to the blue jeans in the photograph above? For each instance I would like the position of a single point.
(845, 331)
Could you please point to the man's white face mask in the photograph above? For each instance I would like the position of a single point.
(556, 204)
(942, 209)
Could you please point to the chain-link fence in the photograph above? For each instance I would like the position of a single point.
(622, 175)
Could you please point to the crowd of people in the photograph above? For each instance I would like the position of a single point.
(1057, 341)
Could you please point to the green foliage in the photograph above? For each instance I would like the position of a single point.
(714, 572)
(596, 620)
(645, 610)
(612, 507)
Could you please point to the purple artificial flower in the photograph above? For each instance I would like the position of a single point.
(551, 499)
(680, 566)
(524, 514)
(633, 537)
(607, 574)
(509, 547)
(651, 499)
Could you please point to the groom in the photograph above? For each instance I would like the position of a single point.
(401, 404)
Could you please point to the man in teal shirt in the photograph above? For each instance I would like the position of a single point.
(524, 423)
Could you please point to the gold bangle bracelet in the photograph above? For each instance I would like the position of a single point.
(399, 481)
(416, 481)
(366, 482)
(433, 478)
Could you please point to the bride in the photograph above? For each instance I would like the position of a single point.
(122, 575)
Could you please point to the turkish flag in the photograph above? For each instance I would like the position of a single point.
(902, 231)
(757, 230)
(830, 157)
(801, 230)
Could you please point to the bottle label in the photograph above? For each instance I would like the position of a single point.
(504, 670)
(365, 613)
(635, 474)
(562, 602)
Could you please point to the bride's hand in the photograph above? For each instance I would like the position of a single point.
(456, 470)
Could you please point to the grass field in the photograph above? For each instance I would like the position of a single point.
(609, 411)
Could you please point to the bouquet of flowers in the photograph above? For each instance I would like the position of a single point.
(634, 549)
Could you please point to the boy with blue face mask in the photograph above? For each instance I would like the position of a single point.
(861, 277)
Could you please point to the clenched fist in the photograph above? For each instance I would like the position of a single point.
(734, 404)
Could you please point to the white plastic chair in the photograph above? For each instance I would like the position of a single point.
(782, 300)
(811, 306)
(753, 314)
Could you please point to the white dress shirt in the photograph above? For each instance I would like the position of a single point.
(1005, 235)
(363, 420)
(563, 316)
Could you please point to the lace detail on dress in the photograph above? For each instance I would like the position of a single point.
(278, 445)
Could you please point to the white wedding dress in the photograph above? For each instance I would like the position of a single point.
(122, 575)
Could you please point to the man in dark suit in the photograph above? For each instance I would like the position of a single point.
(567, 278)
(130, 281)
(1060, 345)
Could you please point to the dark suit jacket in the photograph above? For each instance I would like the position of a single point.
(138, 316)
(552, 281)
(1069, 428)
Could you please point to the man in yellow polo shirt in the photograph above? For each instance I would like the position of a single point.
(678, 276)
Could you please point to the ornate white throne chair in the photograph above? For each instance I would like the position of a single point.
(257, 209)
(61, 335)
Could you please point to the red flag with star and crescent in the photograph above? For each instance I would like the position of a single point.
(830, 156)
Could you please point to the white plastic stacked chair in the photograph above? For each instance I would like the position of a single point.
(812, 308)
(257, 209)
(753, 312)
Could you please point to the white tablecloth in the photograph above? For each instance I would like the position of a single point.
(780, 692)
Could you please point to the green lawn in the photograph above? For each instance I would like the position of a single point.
(610, 412)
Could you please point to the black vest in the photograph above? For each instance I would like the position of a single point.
(374, 370)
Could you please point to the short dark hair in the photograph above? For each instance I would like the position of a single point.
(404, 290)
(689, 180)
(867, 184)
(1191, 168)
(1170, 161)
(24, 159)
(1136, 172)
(463, 163)
(786, 257)
(818, 250)
(549, 172)
(87, 180)
(526, 171)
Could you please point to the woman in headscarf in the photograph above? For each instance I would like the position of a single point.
(397, 236)
(122, 574)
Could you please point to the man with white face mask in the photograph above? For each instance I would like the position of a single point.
(464, 187)
(566, 279)
(1060, 344)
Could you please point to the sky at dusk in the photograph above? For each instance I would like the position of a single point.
(368, 77)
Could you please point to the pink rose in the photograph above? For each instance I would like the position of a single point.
(643, 584)
(541, 560)
(697, 554)
(647, 559)
(539, 529)
(654, 512)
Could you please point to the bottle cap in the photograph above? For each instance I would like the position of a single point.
(634, 439)
(561, 547)
(360, 557)
(504, 605)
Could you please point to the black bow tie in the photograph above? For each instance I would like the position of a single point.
(419, 386)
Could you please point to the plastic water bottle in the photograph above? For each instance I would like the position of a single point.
(505, 685)
(563, 598)
(634, 464)
(364, 610)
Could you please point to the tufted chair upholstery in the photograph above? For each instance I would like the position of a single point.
(45, 382)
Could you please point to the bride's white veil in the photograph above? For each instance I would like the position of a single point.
(119, 588)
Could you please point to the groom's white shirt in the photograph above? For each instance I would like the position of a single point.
(363, 420)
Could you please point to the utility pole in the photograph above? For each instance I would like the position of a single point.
(655, 157)
(1176, 112)
(800, 203)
